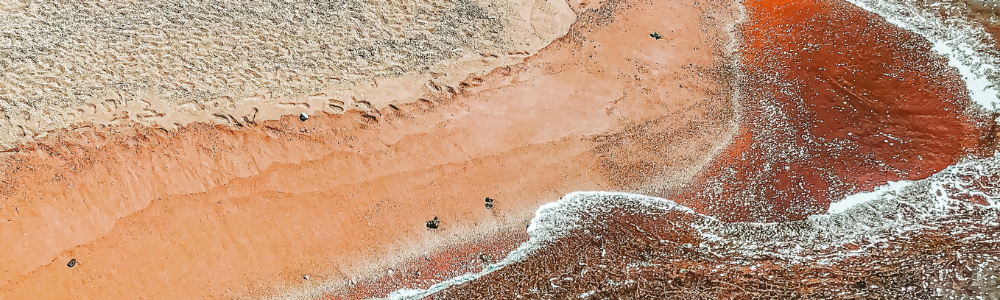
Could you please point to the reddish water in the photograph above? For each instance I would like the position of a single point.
(625, 250)
(836, 101)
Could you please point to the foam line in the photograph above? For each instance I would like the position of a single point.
(863, 197)
(865, 219)
(957, 39)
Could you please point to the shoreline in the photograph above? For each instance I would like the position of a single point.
(391, 278)
(248, 210)
(972, 122)
(225, 212)
(958, 190)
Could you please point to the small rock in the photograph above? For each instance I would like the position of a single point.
(306, 277)
(656, 35)
(71, 263)
(303, 117)
(433, 224)
(489, 203)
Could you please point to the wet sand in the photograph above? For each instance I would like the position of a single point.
(246, 210)
(845, 108)
(213, 211)
(843, 127)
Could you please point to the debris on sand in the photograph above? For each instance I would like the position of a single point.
(656, 35)
(433, 224)
(489, 203)
(71, 263)
(303, 117)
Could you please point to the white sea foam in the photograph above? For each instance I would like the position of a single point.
(552, 221)
(877, 217)
(864, 197)
(874, 217)
(958, 39)
(863, 219)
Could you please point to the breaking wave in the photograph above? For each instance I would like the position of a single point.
(916, 239)
(963, 201)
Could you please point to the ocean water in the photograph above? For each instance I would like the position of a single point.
(935, 237)
(957, 210)
(958, 39)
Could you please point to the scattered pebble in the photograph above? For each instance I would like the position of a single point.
(656, 35)
(71, 263)
(303, 117)
(433, 224)
(489, 203)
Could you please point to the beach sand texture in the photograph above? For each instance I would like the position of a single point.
(158, 145)
(166, 64)
(209, 210)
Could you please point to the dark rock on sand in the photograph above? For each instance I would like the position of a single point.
(433, 224)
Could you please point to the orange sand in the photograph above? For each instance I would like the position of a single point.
(212, 211)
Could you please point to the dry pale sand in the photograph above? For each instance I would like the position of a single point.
(221, 211)
(166, 64)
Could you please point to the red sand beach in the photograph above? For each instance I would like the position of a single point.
(797, 112)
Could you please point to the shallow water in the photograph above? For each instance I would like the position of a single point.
(924, 240)
(813, 149)
(865, 169)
